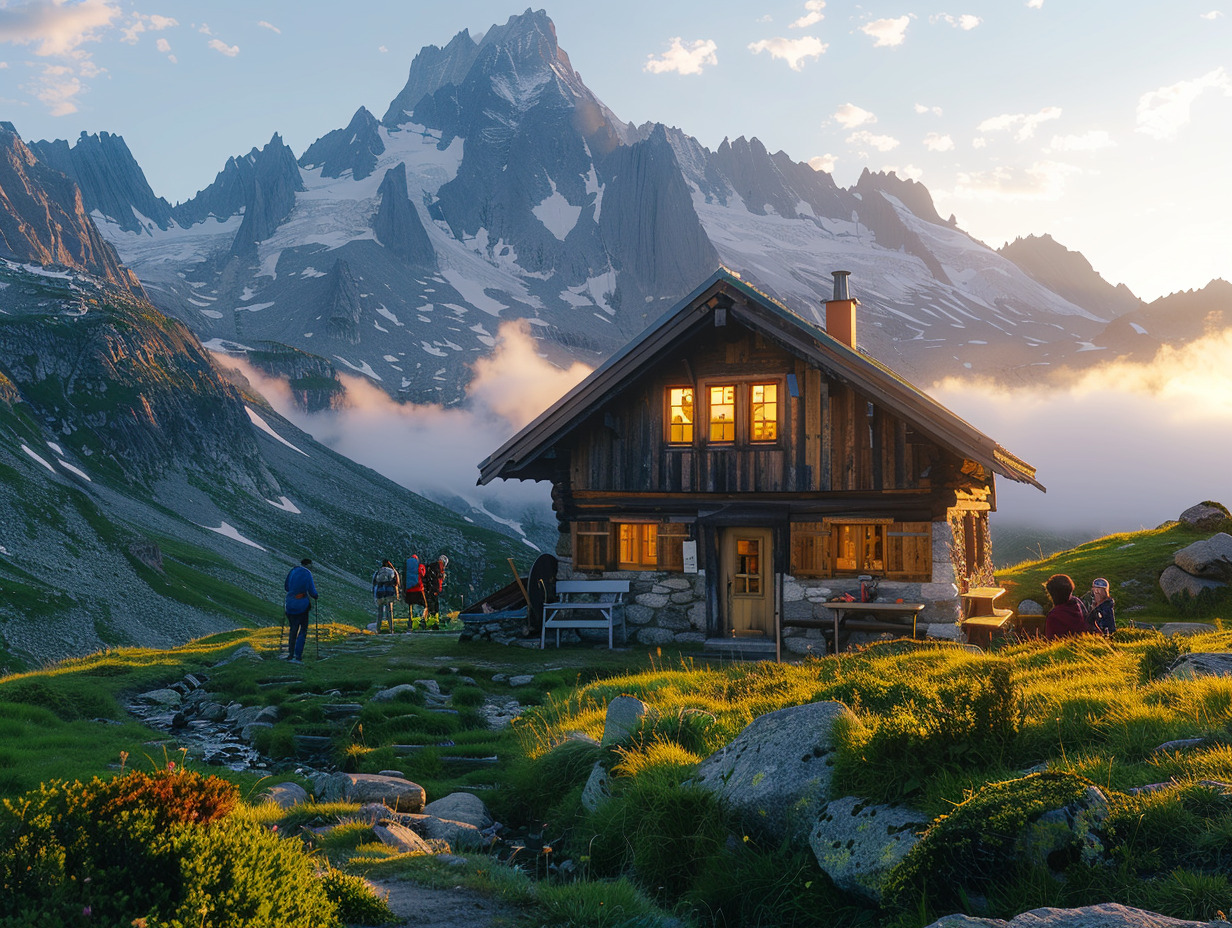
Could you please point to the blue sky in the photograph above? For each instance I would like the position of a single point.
(1105, 124)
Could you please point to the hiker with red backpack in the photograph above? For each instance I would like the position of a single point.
(413, 591)
(385, 586)
(434, 583)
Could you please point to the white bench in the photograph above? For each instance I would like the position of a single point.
(573, 611)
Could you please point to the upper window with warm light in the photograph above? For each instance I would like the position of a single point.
(764, 412)
(680, 415)
(723, 413)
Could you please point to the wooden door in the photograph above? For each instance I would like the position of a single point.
(748, 583)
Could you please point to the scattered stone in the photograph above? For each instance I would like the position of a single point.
(1051, 836)
(1104, 915)
(400, 837)
(499, 713)
(624, 715)
(396, 774)
(430, 687)
(1202, 664)
(1168, 629)
(857, 844)
(242, 653)
(342, 710)
(397, 793)
(499, 677)
(461, 807)
(944, 631)
(402, 690)
(1030, 607)
(449, 833)
(776, 773)
(285, 795)
(522, 679)
(167, 697)
(1204, 516)
(1210, 558)
(1174, 582)
(598, 788)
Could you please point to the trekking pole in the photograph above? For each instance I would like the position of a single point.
(318, 631)
(281, 627)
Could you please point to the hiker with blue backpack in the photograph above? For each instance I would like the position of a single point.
(413, 591)
(301, 593)
(385, 586)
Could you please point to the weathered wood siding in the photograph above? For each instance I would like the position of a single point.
(830, 438)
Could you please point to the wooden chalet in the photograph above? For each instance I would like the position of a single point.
(742, 463)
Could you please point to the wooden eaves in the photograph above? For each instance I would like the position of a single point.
(527, 454)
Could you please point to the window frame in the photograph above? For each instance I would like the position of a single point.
(743, 405)
(667, 418)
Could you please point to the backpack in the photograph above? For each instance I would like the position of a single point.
(385, 580)
(434, 577)
(414, 573)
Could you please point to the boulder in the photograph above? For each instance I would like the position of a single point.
(522, 679)
(1051, 838)
(1210, 558)
(1175, 582)
(429, 686)
(857, 843)
(624, 715)
(401, 837)
(1168, 629)
(461, 807)
(402, 690)
(1104, 915)
(395, 793)
(598, 788)
(1030, 607)
(285, 795)
(1204, 516)
(1202, 664)
(167, 698)
(455, 834)
(242, 653)
(776, 773)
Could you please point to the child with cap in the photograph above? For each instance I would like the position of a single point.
(1101, 613)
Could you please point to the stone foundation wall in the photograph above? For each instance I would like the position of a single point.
(667, 608)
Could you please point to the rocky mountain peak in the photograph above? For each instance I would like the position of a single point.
(397, 223)
(910, 193)
(43, 218)
(351, 149)
(1070, 274)
(432, 69)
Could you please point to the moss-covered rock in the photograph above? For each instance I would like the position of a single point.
(1053, 819)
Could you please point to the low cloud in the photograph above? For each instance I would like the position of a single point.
(1094, 140)
(1122, 447)
(934, 141)
(868, 139)
(824, 162)
(921, 109)
(887, 32)
(1213, 14)
(1164, 112)
(56, 87)
(1042, 180)
(965, 22)
(1035, 4)
(793, 51)
(223, 48)
(849, 116)
(435, 450)
(270, 26)
(812, 16)
(56, 27)
(683, 59)
(907, 172)
(1023, 125)
(140, 24)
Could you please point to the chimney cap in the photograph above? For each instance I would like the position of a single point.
(841, 290)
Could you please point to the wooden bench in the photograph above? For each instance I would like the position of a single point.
(883, 617)
(586, 604)
(982, 618)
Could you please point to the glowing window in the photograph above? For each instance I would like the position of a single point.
(723, 413)
(859, 547)
(639, 545)
(764, 420)
(748, 566)
(680, 403)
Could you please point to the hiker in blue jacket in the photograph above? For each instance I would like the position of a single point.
(301, 592)
(386, 587)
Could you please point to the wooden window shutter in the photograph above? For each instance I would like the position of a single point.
(672, 536)
(910, 554)
(593, 548)
(810, 551)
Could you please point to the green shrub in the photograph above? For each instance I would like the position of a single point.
(971, 719)
(355, 900)
(540, 783)
(1159, 655)
(159, 847)
(659, 829)
(976, 846)
(468, 697)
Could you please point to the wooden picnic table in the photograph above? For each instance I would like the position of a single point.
(982, 617)
(843, 613)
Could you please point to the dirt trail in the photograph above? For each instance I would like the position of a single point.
(421, 907)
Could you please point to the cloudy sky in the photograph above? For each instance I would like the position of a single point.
(1106, 124)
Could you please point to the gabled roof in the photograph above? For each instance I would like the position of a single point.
(757, 311)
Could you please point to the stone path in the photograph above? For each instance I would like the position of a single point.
(422, 907)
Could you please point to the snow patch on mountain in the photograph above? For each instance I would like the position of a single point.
(363, 367)
(557, 214)
(265, 427)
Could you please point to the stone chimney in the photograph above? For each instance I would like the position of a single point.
(841, 311)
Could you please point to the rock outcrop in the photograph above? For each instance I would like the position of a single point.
(353, 149)
(397, 223)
